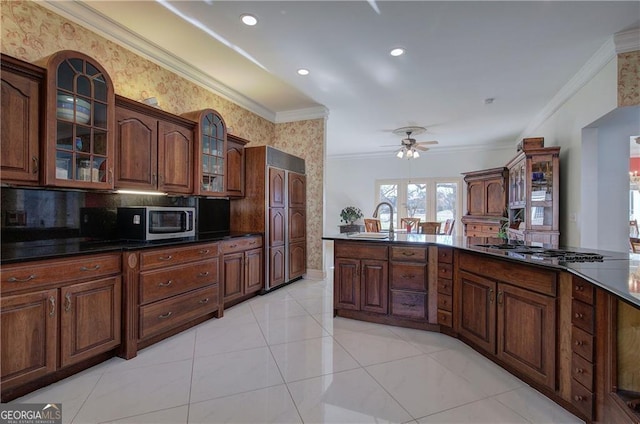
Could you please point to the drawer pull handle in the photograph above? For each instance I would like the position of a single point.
(500, 298)
(21, 280)
(579, 315)
(410, 305)
(233, 246)
(408, 253)
(408, 276)
(167, 284)
(490, 295)
(579, 371)
(35, 164)
(579, 343)
(52, 302)
(253, 242)
(578, 398)
(205, 300)
(204, 251)
(166, 258)
(93, 268)
(165, 316)
(67, 302)
(203, 274)
(579, 287)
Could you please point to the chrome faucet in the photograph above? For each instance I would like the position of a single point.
(375, 215)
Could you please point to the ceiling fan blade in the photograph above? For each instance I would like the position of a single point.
(422, 149)
(427, 142)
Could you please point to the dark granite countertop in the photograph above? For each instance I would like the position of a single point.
(58, 248)
(618, 272)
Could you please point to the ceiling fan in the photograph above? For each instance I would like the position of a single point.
(409, 147)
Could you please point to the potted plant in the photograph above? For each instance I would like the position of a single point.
(350, 215)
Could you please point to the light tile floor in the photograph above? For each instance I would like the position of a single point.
(283, 358)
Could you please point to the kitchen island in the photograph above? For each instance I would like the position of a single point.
(566, 321)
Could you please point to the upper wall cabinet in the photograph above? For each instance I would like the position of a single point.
(79, 123)
(22, 97)
(235, 166)
(209, 152)
(154, 149)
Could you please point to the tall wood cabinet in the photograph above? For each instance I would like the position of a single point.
(275, 204)
(235, 174)
(534, 196)
(22, 100)
(486, 202)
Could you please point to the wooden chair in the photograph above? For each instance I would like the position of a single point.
(411, 224)
(430, 227)
(633, 228)
(448, 226)
(372, 225)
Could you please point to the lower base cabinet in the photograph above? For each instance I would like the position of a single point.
(362, 285)
(242, 268)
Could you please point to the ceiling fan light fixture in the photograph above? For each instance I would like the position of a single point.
(416, 155)
(400, 154)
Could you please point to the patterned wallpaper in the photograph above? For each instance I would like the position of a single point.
(628, 81)
(32, 33)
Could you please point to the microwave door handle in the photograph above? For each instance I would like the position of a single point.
(187, 221)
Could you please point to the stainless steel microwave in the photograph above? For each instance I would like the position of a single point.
(155, 222)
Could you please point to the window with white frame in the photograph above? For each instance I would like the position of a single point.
(430, 199)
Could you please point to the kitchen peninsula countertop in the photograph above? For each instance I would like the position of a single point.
(59, 248)
(618, 272)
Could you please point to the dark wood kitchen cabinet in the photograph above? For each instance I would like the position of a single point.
(80, 119)
(234, 176)
(408, 282)
(210, 148)
(154, 149)
(486, 202)
(242, 268)
(21, 110)
(55, 314)
(361, 277)
(509, 312)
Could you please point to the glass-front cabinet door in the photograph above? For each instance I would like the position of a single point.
(210, 149)
(80, 117)
(541, 194)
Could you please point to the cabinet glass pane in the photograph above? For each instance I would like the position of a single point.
(64, 137)
(206, 143)
(99, 115)
(77, 65)
(205, 163)
(541, 181)
(83, 139)
(100, 142)
(65, 76)
(91, 70)
(83, 86)
(541, 216)
(100, 89)
(63, 166)
(86, 169)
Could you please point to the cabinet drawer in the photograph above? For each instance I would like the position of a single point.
(445, 271)
(445, 302)
(241, 244)
(417, 254)
(582, 371)
(165, 314)
(36, 274)
(582, 315)
(173, 256)
(445, 318)
(582, 343)
(408, 305)
(445, 254)
(360, 251)
(582, 290)
(582, 399)
(408, 276)
(167, 282)
(445, 286)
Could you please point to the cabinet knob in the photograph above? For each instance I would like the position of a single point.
(203, 274)
(578, 398)
(579, 343)
(579, 315)
(205, 300)
(579, 371)
(579, 287)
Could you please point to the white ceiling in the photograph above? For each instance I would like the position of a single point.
(458, 54)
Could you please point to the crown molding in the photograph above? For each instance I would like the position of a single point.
(605, 54)
(96, 22)
(432, 151)
(627, 41)
(318, 112)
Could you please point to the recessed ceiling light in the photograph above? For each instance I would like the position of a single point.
(303, 71)
(249, 20)
(397, 52)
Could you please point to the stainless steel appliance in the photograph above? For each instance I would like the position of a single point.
(155, 222)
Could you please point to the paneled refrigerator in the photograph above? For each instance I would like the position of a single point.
(275, 204)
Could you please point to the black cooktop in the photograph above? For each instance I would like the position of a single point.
(561, 255)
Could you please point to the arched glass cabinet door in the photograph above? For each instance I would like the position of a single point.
(210, 150)
(80, 119)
